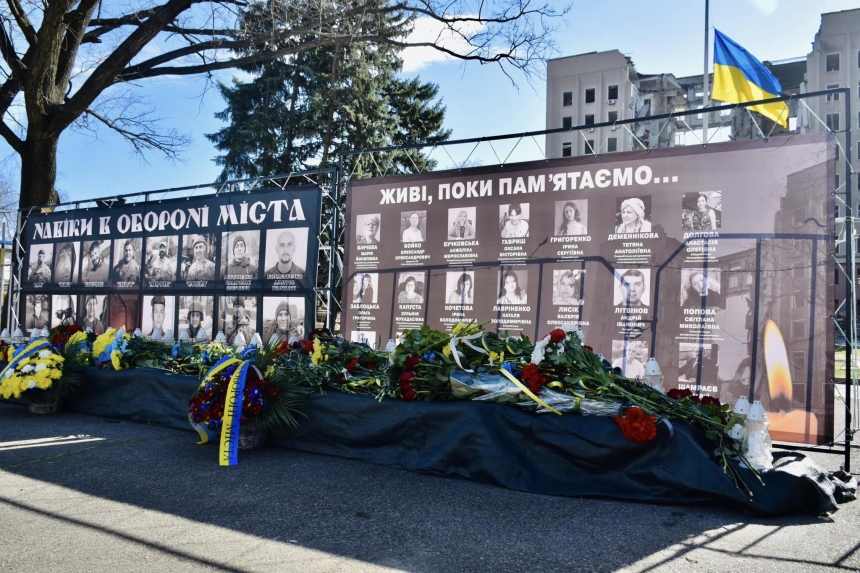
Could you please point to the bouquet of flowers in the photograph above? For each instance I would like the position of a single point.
(351, 367)
(120, 350)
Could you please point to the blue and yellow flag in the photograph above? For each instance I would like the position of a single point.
(740, 78)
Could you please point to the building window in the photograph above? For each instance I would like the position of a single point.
(798, 300)
(566, 150)
(832, 121)
(832, 97)
(589, 95)
(612, 144)
(612, 92)
(566, 122)
(612, 117)
(858, 89)
(589, 146)
(798, 360)
(798, 329)
(837, 211)
(831, 63)
(858, 59)
(734, 281)
(567, 99)
(589, 119)
(837, 184)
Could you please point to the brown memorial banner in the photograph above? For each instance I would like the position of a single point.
(717, 261)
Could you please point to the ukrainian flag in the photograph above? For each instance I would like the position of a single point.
(740, 78)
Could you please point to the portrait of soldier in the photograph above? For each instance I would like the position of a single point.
(40, 269)
(161, 266)
(158, 307)
(95, 267)
(238, 261)
(91, 320)
(283, 325)
(37, 312)
(64, 310)
(195, 320)
(198, 267)
(127, 270)
(239, 322)
(285, 246)
(65, 263)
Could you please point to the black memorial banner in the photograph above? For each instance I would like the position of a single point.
(716, 261)
(234, 262)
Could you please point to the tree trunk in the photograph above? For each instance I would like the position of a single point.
(39, 171)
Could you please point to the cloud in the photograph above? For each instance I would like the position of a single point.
(766, 7)
(427, 30)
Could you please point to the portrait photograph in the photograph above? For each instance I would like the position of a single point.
(367, 229)
(410, 288)
(460, 287)
(36, 312)
(93, 313)
(512, 287)
(198, 257)
(633, 214)
(123, 311)
(95, 269)
(157, 316)
(461, 223)
(41, 263)
(514, 220)
(286, 252)
(364, 337)
(62, 309)
(696, 283)
(688, 363)
(364, 288)
(161, 258)
(571, 217)
(67, 256)
(701, 211)
(631, 356)
(632, 287)
(283, 318)
(413, 226)
(238, 314)
(568, 286)
(125, 270)
(240, 254)
(196, 317)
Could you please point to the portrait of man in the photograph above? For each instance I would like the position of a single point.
(94, 312)
(368, 229)
(238, 318)
(64, 310)
(197, 266)
(126, 269)
(630, 356)
(66, 263)
(40, 263)
(157, 315)
(161, 259)
(286, 251)
(195, 316)
(95, 267)
(283, 318)
(413, 226)
(37, 312)
(689, 355)
(632, 287)
(240, 253)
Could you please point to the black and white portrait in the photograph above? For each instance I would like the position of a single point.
(196, 316)
(286, 253)
(367, 229)
(461, 223)
(63, 309)
(410, 288)
(632, 288)
(514, 220)
(413, 226)
(198, 258)
(41, 261)
(633, 214)
(283, 318)
(689, 363)
(157, 315)
(238, 315)
(95, 269)
(364, 337)
(630, 356)
(161, 259)
(92, 312)
(37, 311)
(571, 217)
(460, 287)
(66, 260)
(125, 271)
(701, 211)
(699, 283)
(240, 255)
(364, 288)
(513, 286)
(568, 286)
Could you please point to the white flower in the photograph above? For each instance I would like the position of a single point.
(737, 432)
(40, 367)
(10, 373)
(31, 384)
(28, 368)
(568, 327)
(540, 349)
(44, 353)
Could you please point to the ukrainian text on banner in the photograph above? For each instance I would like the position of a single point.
(683, 254)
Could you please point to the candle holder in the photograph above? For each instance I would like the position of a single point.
(220, 337)
(239, 342)
(759, 450)
(654, 376)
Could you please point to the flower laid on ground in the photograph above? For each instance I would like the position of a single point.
(637, 426)
(33, 367)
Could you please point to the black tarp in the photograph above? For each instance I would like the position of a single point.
(560, 455)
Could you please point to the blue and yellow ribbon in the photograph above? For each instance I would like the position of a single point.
(228, 453)
(206, 433)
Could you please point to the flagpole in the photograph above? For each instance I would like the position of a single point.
(705, 87)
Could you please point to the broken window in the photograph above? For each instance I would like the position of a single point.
(612, 92)
(565, 150)
(831, 63)
(589, 95)
(567, 99)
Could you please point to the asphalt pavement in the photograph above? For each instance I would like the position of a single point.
(85, 493)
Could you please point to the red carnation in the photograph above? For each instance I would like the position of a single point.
(677, 394)
(531, 375)
(411, 363)
(408, 394)
(352, 365)
(557, 335)
(636, 426)
(709, 401)
(306, 346)
(587, 347)
(406, 377)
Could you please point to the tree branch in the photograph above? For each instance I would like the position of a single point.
(13, 140)
(7, 50)
(76, 22)
(23, 22)
(138, 130)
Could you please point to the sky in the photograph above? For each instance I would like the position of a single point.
(659, 35)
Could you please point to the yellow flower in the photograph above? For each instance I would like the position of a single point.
(446, 350)
(458, 328)
(496, 357)
(9, 354)
(114, 359)
(77, 338)
(103, 341)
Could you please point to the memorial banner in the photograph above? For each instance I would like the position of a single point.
(233, 262)
(716, 261)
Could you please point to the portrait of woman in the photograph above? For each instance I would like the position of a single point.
(705, 215)
(409, 292)
(694, 285)
(511, 292)
(369, 229)
(463, 293)
(413, 233)
(632, 216)
(65, 267)
(462, 227)
(571, 220)
(566, 289)
(513, 223)
(364, 291)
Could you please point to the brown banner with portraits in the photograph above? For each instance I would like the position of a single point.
(716, 261)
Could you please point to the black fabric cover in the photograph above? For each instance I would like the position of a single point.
(568, 455)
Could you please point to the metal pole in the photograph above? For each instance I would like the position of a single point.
(705, 86)
(332, 244)
(852, 269)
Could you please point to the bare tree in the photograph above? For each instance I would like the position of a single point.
(74, 63)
